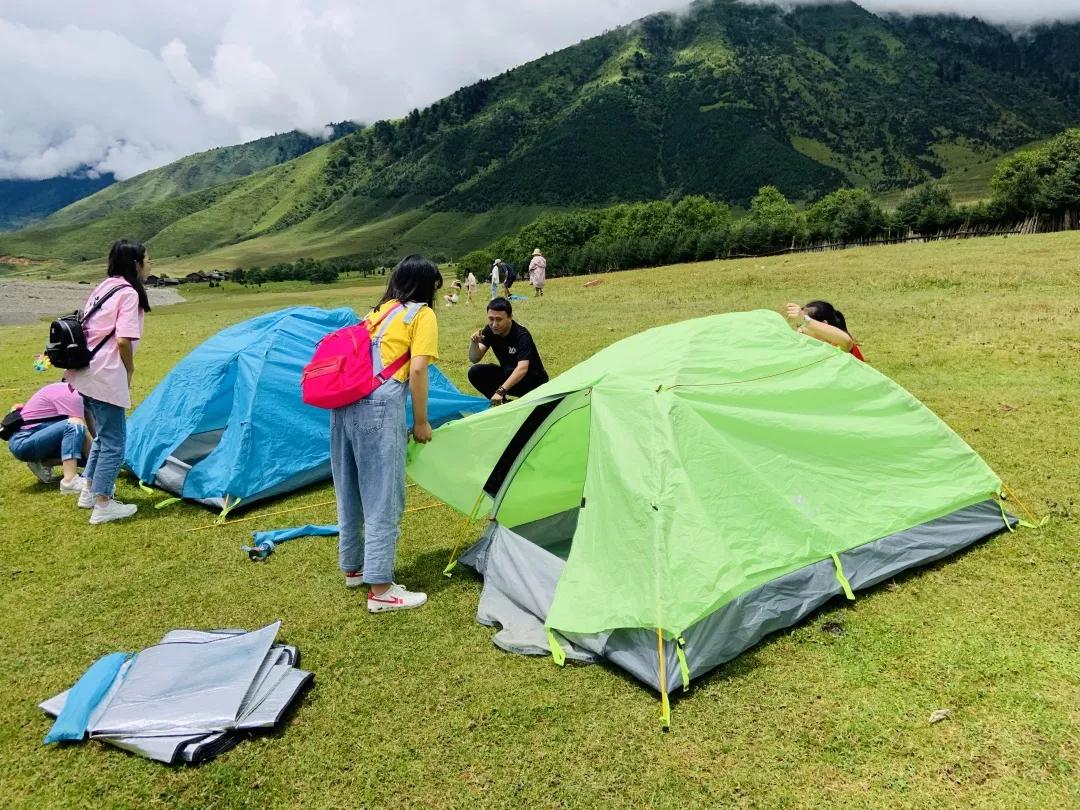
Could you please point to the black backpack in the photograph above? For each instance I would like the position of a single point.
(67, 342)
(13, 422)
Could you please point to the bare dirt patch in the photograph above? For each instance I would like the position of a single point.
(30, 301)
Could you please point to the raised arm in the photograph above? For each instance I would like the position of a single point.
(819, 329)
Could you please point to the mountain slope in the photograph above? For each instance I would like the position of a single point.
(23, 202)
(719, 101)
(73, 201)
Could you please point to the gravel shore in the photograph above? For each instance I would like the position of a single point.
(30, 301)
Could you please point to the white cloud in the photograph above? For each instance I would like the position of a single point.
(94, 84)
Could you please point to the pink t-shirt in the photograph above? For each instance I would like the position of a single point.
(106, 378)
(55, 399)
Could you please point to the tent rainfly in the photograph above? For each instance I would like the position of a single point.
(227, 424)
(683, 493)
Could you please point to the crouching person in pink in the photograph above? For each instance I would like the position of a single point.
(106, 383)
(53, 429)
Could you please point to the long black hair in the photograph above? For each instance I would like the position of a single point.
(415, 279)
(826, 312)
(125, 256)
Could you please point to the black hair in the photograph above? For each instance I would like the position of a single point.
(125, 256)
(826, 312)
(414, 279)
(500, 304)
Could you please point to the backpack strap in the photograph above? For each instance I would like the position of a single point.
(97, 305)
(383, 374)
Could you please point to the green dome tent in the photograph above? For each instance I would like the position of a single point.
(688, 490)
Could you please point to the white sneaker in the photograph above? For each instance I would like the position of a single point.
(113, 510)
(354, 579)
(76, 486)
(395, 598)
(86, 497)
(43, 473)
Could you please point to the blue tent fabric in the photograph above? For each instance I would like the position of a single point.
(228, 424)
(278, 536)
(70, 725)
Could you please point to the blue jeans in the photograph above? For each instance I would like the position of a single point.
(107, 449)
(368, 440)
(62, 440)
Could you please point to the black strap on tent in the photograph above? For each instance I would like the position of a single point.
(516, 445)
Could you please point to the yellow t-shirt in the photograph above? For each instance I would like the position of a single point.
(421, 337)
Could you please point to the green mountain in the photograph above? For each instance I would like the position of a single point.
(718, 101)
(23, 202)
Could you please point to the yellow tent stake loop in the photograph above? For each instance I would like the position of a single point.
(558, 654)
(1012, 497)
(167, 502)
(1004, 514)
(665, 705)
(452, 562)
(145, 488)
(842, 579)
(228, 507)
(680, 651)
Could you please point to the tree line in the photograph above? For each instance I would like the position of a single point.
(1039, 185)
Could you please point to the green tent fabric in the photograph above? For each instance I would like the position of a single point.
(705, 459)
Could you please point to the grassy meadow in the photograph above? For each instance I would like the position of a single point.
(420, 709)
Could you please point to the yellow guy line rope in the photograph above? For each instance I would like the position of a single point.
(1012, 497)
(461, 537)
(296, 509)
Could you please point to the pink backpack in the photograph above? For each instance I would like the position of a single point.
(347, 364)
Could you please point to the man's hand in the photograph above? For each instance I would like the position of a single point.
(498, 399)
(476, 336)
(421, 432)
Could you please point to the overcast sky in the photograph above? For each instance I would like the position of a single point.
(125, 86)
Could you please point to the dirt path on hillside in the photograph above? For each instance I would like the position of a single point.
(30, 301)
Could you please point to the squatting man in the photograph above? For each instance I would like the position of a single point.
(519, 369)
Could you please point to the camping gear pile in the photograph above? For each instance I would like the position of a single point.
(686, 491)
(188, 698)
(227, 425)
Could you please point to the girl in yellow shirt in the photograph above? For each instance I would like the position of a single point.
(368, 439)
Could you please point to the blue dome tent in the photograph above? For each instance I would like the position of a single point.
(227, 424)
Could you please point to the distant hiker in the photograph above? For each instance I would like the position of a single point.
(454, 295)
(520, 368)
(821, 320)
(470, 285)
(538, 271)
(106, 383)
(368, 438)
(54, 427)
(495, 278)
(509, 277)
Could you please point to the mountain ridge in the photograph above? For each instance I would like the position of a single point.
(719, 101)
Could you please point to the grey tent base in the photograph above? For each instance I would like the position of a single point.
(273, 688)
(521, 568)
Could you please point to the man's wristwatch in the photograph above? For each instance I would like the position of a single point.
(501, 391)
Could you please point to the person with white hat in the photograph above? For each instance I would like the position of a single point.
(495, 278)
(538, 271)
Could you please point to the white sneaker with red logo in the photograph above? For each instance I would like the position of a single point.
(354, 579)
(395, 598)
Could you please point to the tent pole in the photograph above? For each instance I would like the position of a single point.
(665, 706)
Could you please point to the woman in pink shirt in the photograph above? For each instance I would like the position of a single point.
(106, 383)
(53, 428)
(538, 271)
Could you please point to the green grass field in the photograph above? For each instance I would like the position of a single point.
(420, 709)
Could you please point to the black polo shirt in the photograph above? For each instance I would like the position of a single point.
(518, 345)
